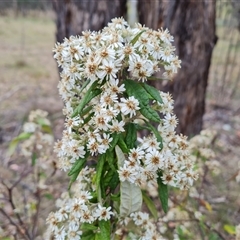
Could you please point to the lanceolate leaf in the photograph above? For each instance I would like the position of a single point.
(131, 195)
(108, 177)
(110, 159)
(76, 169)
(150, 204)
(153, 92)
(90, 94)
(114, 181)
(162, 192)
(122, 144)
(78, 165)
(88, 235)
(135, 89)
(16, 140)
(99, 169)
(105, 230)
(149, 113)
(115, 137)
(131, 135)
(134, 40)
(88, 226)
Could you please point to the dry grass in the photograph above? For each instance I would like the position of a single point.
(29, 75)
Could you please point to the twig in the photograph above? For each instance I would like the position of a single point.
(14, 224)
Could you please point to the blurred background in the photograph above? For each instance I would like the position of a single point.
(206, 90)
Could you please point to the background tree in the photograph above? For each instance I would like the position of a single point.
(75, 16)
(192, 23)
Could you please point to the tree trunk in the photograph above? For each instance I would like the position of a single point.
(75, 16)
(192, 23)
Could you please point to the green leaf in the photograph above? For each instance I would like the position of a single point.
(86, 110)
(99, 168)
(34, 158)
(156, 78)
(122, 144)
(99, 173)
(134, 40)
(213, 236)
(88, 118)
(149, 113)
(153, 92)
(90, 94)
(108, 177)
(230, 229)
(44, 125)
(150, 204)
(84, 85)
(115, 197)
(46, 129)
(131, 135)
(87, 235)
(134, 88)
(105, 230)
(88, 226)
(76, 169)
(156, 133)
(115, 137)
(48, 196)
(78, 165)
(110, 159)
(162, 192)
(131, 195)
(13, 144)
(114, 181)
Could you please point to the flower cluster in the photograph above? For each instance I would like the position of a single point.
(36, 136)
(108, 107)
(78, 210)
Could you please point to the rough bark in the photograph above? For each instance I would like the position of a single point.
(192, 23)
(75, 16)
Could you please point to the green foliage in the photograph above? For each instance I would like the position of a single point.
(131, 135)
(150, 204)
(138, 91)
(13, 144)
(105, 230)
(76, 169)
(91, 93)
(162, 192)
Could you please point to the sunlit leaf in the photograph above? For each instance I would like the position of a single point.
(230, 229)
